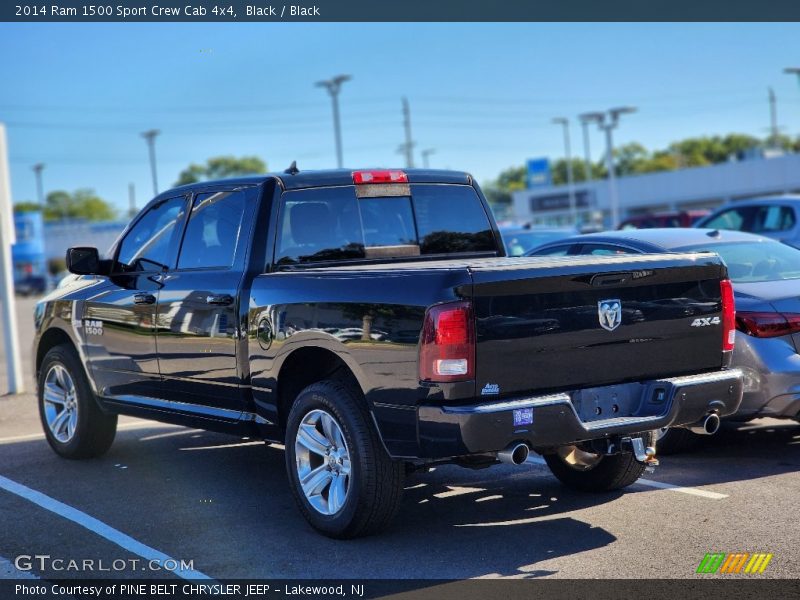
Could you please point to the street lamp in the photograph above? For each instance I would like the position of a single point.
(37, 169)
(573, 215)
(586, 119)
(333, 86)
(150, 138)
(793, 71)
(608, 122)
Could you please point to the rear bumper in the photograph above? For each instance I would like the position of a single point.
(446, 431)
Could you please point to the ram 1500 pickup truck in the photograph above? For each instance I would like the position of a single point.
(371, 322)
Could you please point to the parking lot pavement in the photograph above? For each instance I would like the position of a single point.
(223, 503)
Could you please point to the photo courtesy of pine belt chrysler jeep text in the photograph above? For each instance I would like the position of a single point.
(371, 322)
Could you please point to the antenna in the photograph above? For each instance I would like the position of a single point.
(292, 170)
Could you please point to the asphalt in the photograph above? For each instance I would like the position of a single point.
(223, 503)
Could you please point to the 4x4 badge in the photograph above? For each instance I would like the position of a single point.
(610, 313)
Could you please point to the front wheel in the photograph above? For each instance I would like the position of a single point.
(73, 422)
(591, 472)
(343, 481)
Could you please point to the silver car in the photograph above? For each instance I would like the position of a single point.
(776, 217)
(766, 282)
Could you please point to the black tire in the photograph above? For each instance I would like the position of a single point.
(612, 472)
(676, 440)
(94, 430)
(375, 484)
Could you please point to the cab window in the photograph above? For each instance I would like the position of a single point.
(213, 231)
(149, 245)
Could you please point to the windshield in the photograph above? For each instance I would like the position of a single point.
(756, 261)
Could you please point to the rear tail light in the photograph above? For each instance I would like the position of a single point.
(728, 315)
(447, 344)
(768, 324)
(382, 176)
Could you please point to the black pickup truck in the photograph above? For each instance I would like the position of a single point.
(371, 322)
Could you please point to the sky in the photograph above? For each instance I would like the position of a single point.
(77, 96)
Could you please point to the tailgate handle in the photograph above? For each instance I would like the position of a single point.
(610, 279)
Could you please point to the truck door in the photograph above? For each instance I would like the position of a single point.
(119, 322)
(198, 308)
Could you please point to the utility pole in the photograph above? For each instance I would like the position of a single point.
(334, 86)
(37, 169)
(409, 145)
(608, 125)
(16, 383)
(773, 119)
(425, 157)
(150, 137)
(573, 209)
(131, 200)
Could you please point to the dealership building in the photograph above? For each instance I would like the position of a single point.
(684, 189)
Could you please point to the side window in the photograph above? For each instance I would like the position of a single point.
(604, 250)
(213, 231)
(553, 251)
(733, 218)
(146, 247)
(773, 218)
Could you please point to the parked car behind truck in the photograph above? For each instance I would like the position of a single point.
(766, 281)
(220, 305)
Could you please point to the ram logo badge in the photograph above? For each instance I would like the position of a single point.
(610, 313)
(706, 321)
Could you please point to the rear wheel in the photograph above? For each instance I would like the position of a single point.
(343, 481)
(73, 423)
(591, 472)
(672, 440)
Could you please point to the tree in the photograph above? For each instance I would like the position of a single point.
(81, 204)
(26, 206)
(221, 167)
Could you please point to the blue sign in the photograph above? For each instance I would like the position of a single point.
(538, 173)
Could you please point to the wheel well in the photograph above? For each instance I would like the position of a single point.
(304, 367)
(50, 339)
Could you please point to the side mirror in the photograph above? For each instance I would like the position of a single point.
(83, 261)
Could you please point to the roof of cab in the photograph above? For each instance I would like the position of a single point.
(331, 177)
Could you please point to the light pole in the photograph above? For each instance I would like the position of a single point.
(573, 210)
(334, 85)
(150, 137)
(425, 154)
(586, 119)
(608, 122)
(793, 71)
(37, 169)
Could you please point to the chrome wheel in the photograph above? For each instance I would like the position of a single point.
(660, 433)
(323, 462)
(578, 459)
(60, 403)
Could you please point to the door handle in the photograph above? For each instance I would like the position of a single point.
(144, 299)
(219, 299)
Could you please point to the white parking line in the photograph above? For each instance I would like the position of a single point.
(130, 425)
(95, 526)
(538, 460)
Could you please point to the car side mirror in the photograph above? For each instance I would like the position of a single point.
(83, 261)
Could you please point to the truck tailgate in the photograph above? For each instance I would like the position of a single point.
(550, 324)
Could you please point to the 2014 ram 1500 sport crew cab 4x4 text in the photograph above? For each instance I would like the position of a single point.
(372, 323)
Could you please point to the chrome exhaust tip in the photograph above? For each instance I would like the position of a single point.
(515, 454)
(707, 426)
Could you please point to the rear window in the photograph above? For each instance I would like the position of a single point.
(333, 224)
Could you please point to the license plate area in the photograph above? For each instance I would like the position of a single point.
(615, 401)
